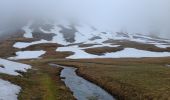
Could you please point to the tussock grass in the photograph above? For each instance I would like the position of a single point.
(129, 79)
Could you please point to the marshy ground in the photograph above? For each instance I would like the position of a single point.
(129, 79)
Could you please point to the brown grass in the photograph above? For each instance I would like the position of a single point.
(50, 49)
(102, 50)
(7, 49)
(43, 46)
(129, 79)
(42, 82)
(137, 45)
(6, 46)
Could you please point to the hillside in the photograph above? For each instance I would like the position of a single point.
(127, 66)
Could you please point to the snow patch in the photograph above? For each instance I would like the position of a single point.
(79, 53)
(8, 91)
(56, 39)
(135, 53)
(101, 45)
(21, 45)
(162, 46)
(28, 31)
(59, 38)
(28, 55)
(10, 67)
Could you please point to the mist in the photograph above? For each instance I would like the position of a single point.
(131, 16)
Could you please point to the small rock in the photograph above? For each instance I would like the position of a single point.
(168, 65)
(2, 66)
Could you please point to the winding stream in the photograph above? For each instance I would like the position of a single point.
(81, 88)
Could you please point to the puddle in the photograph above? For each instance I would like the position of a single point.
(81, 88)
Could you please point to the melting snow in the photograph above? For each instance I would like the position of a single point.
(101, 45)
(84, 35)
(56, 39)
(27, 44)
(8, 91)
(162, 46)
(79, 53)
(28, 31)
(10, 67)
(59, 38)
(28, 54)
(135, 53)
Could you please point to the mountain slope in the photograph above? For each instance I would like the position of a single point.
(82, 38)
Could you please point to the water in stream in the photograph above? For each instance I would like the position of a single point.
(81, 88)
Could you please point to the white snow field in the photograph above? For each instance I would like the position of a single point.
(10, 67)
(8, 91)
(28, 55)
(87, 35)
(26, 44)
(84, 35)
(79, 53)
(135, 53)
(28, 31)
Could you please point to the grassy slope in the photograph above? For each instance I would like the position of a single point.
(42, 82)
(146, 78)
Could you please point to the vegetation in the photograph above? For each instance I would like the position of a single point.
(103, 50)
(42, 82)
(131, 79)
(137, 45)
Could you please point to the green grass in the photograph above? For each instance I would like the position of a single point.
(50, 87)
(42, 82)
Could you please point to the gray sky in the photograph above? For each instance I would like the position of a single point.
(134, 16)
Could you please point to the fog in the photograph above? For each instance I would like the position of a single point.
(132, 16)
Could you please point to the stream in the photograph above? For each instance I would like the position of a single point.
(81, 88)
